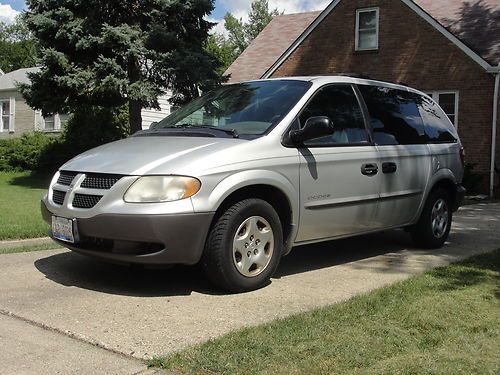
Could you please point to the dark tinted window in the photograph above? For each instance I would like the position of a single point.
(340, 104)
(395, 117)
(438, 127)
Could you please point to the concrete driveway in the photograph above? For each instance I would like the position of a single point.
(143, 313)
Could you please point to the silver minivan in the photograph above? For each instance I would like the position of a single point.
(239, 176)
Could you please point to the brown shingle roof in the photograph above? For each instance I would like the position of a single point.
(282, 31)
(474, 22)
(269, 45)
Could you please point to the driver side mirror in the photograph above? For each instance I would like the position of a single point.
(315, 127)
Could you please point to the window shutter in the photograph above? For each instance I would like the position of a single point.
(57, 122)
(12, 114)
(38, 120)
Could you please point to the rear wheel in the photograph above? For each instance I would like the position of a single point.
(244, 246)
(434, 225)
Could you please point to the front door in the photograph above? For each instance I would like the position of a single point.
(339, 174)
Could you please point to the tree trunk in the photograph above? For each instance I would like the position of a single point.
(134, 106)
(135, 118)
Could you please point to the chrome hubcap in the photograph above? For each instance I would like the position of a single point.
(439, 218)
(253, 246)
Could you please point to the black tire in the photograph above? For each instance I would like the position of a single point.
(220, 261)
(424, 234)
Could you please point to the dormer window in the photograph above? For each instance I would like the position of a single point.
(367, 20)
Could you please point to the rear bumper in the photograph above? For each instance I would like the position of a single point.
(459, 197)
(143, 239)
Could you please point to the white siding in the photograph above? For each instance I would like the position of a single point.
(150, 115)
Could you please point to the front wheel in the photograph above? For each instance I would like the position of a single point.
(433, 227)
(244, 246)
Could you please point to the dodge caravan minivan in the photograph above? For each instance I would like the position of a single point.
(239, 176)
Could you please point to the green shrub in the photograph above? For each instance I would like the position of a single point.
(471, 179)
(23, 153)
(87, 128)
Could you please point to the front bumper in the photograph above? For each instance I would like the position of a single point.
(143, 239)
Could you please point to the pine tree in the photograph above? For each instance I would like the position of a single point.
(112, 53)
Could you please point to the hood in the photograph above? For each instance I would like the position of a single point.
(148, 155)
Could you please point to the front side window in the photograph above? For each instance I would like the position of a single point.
(4, 115)
(448, 101)
(367, 26)
(248, 109)
(340, 105)
(394, 115)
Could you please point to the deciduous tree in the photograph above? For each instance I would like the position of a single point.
(17, 47)
(239, 33)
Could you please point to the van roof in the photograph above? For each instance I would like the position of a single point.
(341, 78)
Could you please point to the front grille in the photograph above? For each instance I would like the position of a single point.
(66, 178)
(58, 196)
(100, 181)
(85, 200)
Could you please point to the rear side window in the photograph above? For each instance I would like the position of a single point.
(395, 116)
(438, 127)
(339, 103)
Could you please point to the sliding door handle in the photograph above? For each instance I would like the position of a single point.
(369, 169)
(389, 167)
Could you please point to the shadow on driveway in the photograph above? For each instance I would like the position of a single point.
(75, 270)
(337, 252)
(71, 269)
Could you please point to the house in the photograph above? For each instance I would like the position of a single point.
(449, 49)
(150, 115)
(17, 118)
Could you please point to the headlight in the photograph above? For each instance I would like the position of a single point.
(151, 189)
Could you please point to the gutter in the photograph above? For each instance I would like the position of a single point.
(494, 69)
(496, 72)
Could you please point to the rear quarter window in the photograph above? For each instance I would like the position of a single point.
(438, 126)
(394, 115)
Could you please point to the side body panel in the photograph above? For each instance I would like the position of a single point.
(403, 189)
(336, 199)
(447, 156)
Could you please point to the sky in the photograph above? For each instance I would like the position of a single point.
(239, 8)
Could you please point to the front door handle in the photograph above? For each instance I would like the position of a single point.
(369, 169)
(389, 167)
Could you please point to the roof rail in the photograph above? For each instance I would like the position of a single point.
(355, 75)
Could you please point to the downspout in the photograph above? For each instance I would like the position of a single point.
(494, 131)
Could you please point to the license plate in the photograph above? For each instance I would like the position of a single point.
(62, 229)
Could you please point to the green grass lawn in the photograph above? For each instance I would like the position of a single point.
(446, 321)
(29, 248)
(20, 215)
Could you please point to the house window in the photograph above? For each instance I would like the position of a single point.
(52, 123)
(49, 123)
(367, 21)
(4, 115)
(448, 101)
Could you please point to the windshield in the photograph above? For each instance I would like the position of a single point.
(246, 109)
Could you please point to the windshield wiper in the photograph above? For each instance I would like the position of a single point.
(231, 132)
